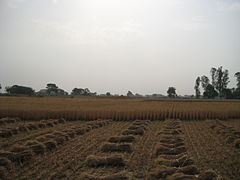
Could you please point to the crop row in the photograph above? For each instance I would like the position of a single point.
(6, 132)
(44, 143)
(172, 160)
(8, 120)
(231, 135)
(120, 144)
(123, 115)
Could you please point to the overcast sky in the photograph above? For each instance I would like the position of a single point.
(117, 45)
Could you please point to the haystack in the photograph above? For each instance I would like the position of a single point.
(31, 142)
(7, 154)
(61, 120)
(32, 127)
(41, 139)
(190, 170)
(19, 148)
(180, 162)
(59, 139)
(23, 129)
(5, 162)
(96, 161)
(3, 172)
(50, 145)
(50, 124)
(116, 176)
(181, 176)
(133, 132)
(208, 175)
(161, 172)
(112, 147)
(5, 134)
(42, 125)
(160, 149)
(120, 139)
(134, 127)
(237, 143)
(172, 145)
(38, 148)
(80, 131)
(24, 156)
(15, 130)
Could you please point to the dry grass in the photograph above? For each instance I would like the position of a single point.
(116, 176)
(91, 108)
(112, 147)
(122, 139)
(96, 161)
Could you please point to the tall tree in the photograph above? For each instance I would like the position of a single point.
(222, 80)
(196, 87)
(205, 82)
(172, 92)
(237, 75)
(213, 75)
(210, 92)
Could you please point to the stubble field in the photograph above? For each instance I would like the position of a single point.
(107, 149)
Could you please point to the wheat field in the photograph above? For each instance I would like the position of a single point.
(117, 108)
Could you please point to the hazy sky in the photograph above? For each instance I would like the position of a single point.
(117, 45)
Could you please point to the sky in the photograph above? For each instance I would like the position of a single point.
(114, 46)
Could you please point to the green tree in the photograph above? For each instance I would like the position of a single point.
(222, 80)
(210, 92)
(51, 87)
(237, 75)
(7, 89)
(130, 94)
(205, 82)
(213, 75)
(16, 89)
(172, 92)
(196, 87)
(108, 94)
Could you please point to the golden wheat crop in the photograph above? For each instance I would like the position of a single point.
(90, 108)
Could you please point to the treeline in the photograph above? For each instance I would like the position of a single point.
(215, 87)
(218, 85)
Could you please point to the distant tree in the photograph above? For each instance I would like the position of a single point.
(108, 94)
(228, 93)
(77, 91)
(222, 80)
(210, 92)
(171, 92)
(130, 94)
(236, 92)
(7, 89)
(196, 87)
(82, 92)
(0, 88)
(16, 89)
(213, 75)
(205, 82)
(237, 75)
(52, 88)
(87, 92)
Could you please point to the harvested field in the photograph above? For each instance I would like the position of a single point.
(169, 149)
